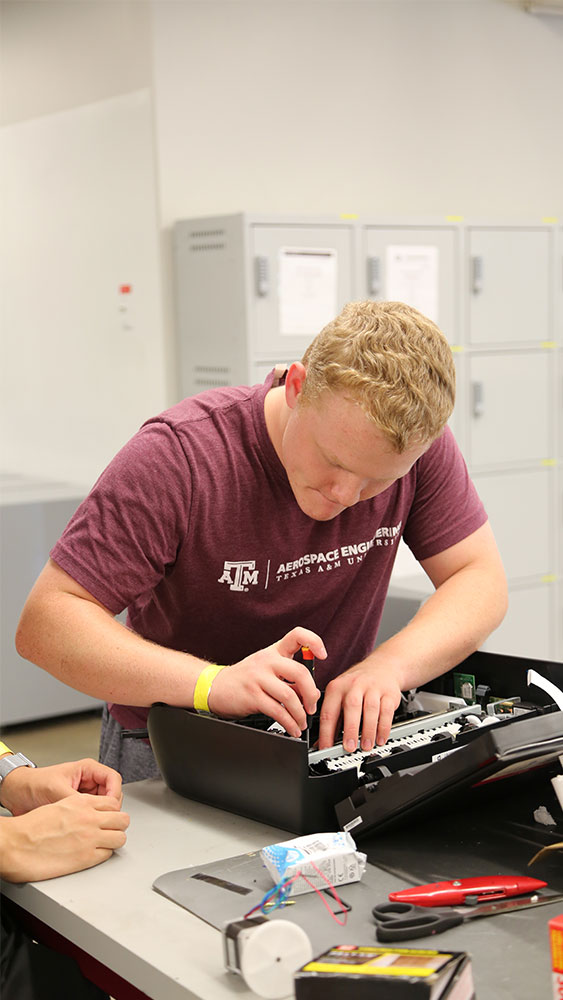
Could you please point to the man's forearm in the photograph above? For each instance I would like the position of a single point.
(68, 632)
(82, 645)
(450, 625)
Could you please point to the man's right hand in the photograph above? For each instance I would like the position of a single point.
(77, 832)
(271, 682)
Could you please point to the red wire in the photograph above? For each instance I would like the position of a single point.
(333, 893)
(286, 882)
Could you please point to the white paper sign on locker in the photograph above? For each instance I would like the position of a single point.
(307, 290)
(412, 277)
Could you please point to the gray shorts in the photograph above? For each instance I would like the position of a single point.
(133, 758)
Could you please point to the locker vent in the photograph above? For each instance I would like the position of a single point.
(207, 239)
(211, 376)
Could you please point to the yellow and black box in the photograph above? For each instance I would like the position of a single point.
(358, 972)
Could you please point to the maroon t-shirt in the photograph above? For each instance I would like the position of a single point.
(194, 528)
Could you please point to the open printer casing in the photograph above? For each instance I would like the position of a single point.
(265, 775)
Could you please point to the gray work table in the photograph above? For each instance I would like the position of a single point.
(113, 914)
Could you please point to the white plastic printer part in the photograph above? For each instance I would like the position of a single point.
(533, 677)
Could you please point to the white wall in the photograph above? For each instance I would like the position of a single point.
(61, 54)
(427, 107)
(79, 218)
(395, 106)
(82, 364)
(404, 107)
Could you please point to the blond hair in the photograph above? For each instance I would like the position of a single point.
(393, 361)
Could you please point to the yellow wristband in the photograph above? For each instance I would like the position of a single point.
(4, 749)
(203, 687)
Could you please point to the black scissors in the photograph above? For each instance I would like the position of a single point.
(403, 921)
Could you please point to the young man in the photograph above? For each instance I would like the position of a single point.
(246, 522)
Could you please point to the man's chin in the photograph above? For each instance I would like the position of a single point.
(319, 508)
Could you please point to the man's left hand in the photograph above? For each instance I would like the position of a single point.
(365, 698)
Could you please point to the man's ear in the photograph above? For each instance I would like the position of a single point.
(294, 382)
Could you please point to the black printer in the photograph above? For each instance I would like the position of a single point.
(474, 731)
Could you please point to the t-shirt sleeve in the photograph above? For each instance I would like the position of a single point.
(125, 535)
(446, 507)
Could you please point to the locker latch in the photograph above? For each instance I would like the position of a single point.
(261, 271)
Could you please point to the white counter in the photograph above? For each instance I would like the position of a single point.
(112, 912)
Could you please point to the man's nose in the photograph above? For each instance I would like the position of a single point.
(347, 490)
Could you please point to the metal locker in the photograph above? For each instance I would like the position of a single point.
(527, 628)
(303, 278)
(509, 404)
(456, 420)
(253, 290)
(509, 276)
(415, 264)
(520, 509)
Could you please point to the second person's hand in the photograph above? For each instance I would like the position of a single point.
(27, 788)
(76, 832)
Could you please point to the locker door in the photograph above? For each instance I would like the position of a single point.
(526, 629)
(509, 285)
(302, 279)
(519, 508)
(508, 409)
(456, 422)
(428, 281)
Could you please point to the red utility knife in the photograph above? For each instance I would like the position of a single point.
(467, 890)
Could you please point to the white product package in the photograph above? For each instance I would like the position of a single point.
(332, 855)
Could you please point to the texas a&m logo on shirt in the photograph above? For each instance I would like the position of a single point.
(239, 575)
